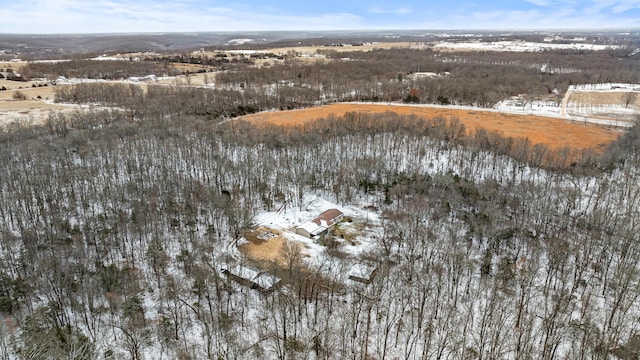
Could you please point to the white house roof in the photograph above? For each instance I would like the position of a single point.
(312, 228)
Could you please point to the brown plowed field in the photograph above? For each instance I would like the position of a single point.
(267, 248)
(270, 250)
(553, 132)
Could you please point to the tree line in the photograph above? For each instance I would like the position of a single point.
(94, 69)
(462, 78)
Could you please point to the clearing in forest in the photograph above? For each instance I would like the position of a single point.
(263, 243)
(553, 132)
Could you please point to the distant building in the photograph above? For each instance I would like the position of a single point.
(321, 225)
(363, 273)
(259, 280)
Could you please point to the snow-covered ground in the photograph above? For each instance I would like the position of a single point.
(109, 58)
(537, 107)
(616, 87)
(604, 114)
(518, 46)
(619, 112)
(239, 41)
(593, 112)
(50, 61)
(288, 218)
(125, 57)
(247, 52)
(132, 80)
(540, 108)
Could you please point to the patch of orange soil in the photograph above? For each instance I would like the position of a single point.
(263, 244)
(270, 250)
(553, 132)
(271, 247)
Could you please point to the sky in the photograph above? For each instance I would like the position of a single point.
(117, 16)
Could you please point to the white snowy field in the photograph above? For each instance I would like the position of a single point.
(603, 87)
(611, 115)
(518, 46)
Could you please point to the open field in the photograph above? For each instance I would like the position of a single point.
(313, 49)
(539, 129)
(260, 247)
(26, 88)
(37, 106)
(617, 102)
(198, 79)
(553, 132)
(608, 105)
(596, 98)
(35, 112)
(307, 54)
(270, 250)
(365, 47)
(15, 65)
(33, 108)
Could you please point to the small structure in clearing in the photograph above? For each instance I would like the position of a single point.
(259, 280)
(321, 225)
(363, 273)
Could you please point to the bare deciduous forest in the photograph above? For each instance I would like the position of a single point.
(115, 225)
(468, 78)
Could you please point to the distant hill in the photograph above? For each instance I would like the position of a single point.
(64, 45)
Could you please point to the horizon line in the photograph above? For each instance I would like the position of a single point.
(521, 30)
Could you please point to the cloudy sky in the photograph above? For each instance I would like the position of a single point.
(100, 16)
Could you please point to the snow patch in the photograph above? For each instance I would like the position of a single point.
(519, 46)
(240, 41)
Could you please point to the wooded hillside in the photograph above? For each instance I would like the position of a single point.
(113, 237)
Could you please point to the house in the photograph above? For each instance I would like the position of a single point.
(363, 273)
(321, 225)
(259, 280)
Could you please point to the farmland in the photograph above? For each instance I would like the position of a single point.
(553, 132)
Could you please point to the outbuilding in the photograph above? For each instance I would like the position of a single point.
(321, 225)
(263, 282)
(363, 273)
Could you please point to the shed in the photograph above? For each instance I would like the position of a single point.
(363, 273)
(263, 282)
